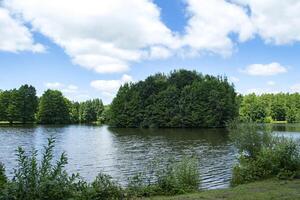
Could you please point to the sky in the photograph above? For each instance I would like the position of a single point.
(88, 48)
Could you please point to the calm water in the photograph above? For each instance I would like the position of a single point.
(124, 152)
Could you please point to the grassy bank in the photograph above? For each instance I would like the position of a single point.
(264, 190)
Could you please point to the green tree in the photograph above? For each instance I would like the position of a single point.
(4, 103)
(182, 99)
(53, 108)
(28, 103)
(14, 106)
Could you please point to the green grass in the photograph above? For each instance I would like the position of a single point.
(261, 190)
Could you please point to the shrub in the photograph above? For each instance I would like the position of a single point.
(3, 179)
(175, 178)
(104, 188)
(249, 138)
(272, 157)
(41, 181)
(44, 180)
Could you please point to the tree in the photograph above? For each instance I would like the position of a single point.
(28, 103)
(182, 99)
(14, 106)
(4, 103)
(53, 108)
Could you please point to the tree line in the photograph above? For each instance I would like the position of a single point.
(23, 106)
(270, 107)
(180, 99)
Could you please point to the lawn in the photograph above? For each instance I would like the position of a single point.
(264, 190)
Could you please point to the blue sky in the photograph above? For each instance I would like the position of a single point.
(89, 48)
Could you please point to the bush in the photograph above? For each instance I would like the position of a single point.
(3, 179)
(41, 181)
(273, 157)
(249, 138)
(44, 180)
(175, 178)
(104, 188)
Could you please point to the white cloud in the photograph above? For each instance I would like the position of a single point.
(14, 36)
(109, 88)
(276, 21)
(265, 69)
(271, 83)
(107, 36)
(210, 24)
(54, 85)
(66, 89)
(104, 36)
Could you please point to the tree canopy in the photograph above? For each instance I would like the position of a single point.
(18, 104)
(271, 107)
(23, 106)
(181, 99)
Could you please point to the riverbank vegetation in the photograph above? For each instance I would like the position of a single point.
(263, 155)
(270, 108)
(48, 180)
(23, 106)
(271, 189)
(181, 99)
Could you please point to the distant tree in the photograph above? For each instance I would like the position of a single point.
(4, 103)
(182, 99)
(53, 108)
(74, 108)
(14, 106)
(28, 103)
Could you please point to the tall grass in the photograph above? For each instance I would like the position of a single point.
(47, 179)
(263, 155)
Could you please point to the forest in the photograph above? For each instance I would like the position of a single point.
(181, 98)
(267, 108)
(23, 106)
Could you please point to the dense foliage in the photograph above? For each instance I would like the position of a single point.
(48, 180)
(181, 99)
(271, 107)
(23, 106)
(263, 155)
(18, 104)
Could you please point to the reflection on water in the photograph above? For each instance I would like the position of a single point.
(125, 152)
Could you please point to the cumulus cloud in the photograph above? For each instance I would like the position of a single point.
(103, 36)
(72, 92)
(107, 36)
(108, 88)
(54, 85)
(14, 36)
(265, 69)
(62, 87)
(211, 23)
(276, 21)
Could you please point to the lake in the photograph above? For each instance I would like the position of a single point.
(122, 153)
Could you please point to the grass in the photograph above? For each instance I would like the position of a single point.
(260, 190)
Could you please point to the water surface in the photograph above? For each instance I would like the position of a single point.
(122, 153)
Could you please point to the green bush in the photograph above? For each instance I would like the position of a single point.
(3, 179)
(176, 178)
(44, 180)
(33, 180)
(272, 157)
(104, 188)
(249, 138)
